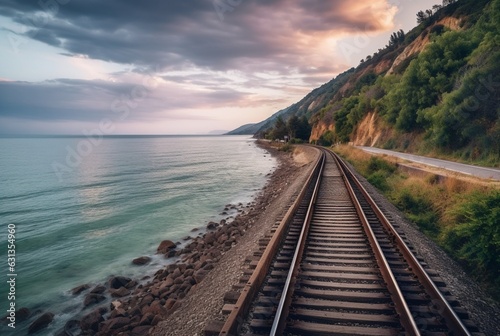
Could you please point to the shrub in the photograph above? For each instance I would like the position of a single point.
(286, 148)
(379, 180)
(418, 208)
(475, 239)
(376, 164)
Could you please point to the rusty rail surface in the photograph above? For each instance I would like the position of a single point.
(401, 306)
(282, 311)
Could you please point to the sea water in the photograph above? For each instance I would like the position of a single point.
(83, 208)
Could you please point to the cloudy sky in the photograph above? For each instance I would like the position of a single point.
(177, 66)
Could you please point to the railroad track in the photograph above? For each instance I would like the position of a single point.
(336, 265)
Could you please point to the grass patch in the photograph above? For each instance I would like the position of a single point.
(286, 148)
(461, 217)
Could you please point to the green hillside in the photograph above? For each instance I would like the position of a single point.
(434, 90)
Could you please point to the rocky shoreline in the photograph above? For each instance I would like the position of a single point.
(128, 306)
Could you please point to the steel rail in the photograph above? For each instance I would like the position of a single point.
(251, 288)
(451, 318)
(286, 295)
(400, 303)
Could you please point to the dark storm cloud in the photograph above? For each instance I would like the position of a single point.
(178, 34)
(84, 100)
(63, 99)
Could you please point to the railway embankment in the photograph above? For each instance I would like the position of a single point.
(451, 220)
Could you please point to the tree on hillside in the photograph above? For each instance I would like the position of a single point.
(397, 38)
(280, 130)
(436, 8)
(293, 125)
(421, 17)
(303, 131)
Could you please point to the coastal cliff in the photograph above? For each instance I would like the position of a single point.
(433, 90)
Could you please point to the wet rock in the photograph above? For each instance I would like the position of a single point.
(170, 254)
(99, 289)
(120, 292)
(22, 314)
(118, 281)
(79, 289)
(131, 284)
(194, 229)
(141, 261)
(212, 225)
(41, 323)
(90, 322)
(92, 298)
(72, 327)
(186, 250)
(165, 246)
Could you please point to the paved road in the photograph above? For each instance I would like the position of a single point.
(483, 172)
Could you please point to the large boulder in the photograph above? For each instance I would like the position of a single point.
(212, 225)
(141, 261)
(92, 298)
(118, 281)
(72, 327)
(90, 322)
(22, 314)
(99, 289)
(41, 323)
(165, 247)
(120, 292)
(79, 289)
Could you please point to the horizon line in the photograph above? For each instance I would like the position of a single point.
(107, 135)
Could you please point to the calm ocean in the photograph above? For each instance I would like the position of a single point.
(84, 209)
